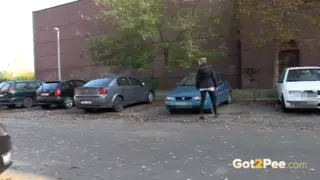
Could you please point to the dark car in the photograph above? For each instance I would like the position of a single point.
(58, 93)
(5, 149)
(19, 93)
(112, 92)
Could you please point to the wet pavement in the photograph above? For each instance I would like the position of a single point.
(145, 143)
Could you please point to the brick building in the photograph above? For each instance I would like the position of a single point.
(76, 64)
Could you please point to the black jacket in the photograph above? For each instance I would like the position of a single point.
(206, 77)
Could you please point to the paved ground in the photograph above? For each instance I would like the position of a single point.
(145, 143)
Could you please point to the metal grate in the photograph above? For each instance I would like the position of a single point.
(183, 98)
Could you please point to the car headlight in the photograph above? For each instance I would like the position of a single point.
(198, 98)
(170, 98)
(3, 130)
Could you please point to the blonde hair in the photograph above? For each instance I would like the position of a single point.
(202, 60)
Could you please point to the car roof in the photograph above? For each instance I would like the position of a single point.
(17, 81)
(303, 67)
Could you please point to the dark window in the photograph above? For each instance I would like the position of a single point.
(32, 85)
(39, 84)
(79, 83)
(98, 82)
(134, 81)
(288, 58)
(66, 85)
(48, 86)
(122, 81)
(71, 84)
(295, 75)
(218, 76)
(282, 76)
(22, 86)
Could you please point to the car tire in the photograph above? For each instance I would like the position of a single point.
(27, 102)
(150, 97)
(172, 111)
(118, 104)
(45, 106)
(11, 106)
(283, 105)
(68, 103)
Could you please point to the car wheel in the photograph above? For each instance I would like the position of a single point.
(229, 100)
(27, 102)
(172, 111)
(46, 106)
(283, 105)
(150, 97)
(68, 102)
(118, 104)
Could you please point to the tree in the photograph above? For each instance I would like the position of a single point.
(278, 22)
(146, 28)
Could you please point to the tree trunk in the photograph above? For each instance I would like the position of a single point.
(276, 67)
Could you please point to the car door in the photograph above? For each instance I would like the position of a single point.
(280, 84)
(221, 91)
(137, 89)
(33, 86)
(67, 89)
(22, 90)
(125, 90)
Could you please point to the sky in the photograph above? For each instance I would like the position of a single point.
(17, 34)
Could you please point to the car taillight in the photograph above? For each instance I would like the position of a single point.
(57, 92)
(38, 93)
(102, 91)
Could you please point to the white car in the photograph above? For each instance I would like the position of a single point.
(299, 87)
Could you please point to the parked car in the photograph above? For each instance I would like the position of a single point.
(299, 87)
(57, 93)
(186, 96)
(112, 92)
(19, 93)
(5, 149)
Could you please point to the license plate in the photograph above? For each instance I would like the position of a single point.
(183, 103)
(6, 158)
(1, 95)
(86, 102)
(44, 94)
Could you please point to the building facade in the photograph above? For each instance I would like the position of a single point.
(243, 67)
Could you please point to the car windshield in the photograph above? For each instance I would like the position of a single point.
(50, 86)
(2, 84)
(295, 75)
(98, 82)
(188, 81)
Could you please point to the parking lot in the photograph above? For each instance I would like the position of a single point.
(146, 142)
(262, 115)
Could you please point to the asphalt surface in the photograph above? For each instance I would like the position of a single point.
(146, 143)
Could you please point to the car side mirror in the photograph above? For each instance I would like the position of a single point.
(178, 84)
(280, 81)
(220, 82)
(143, 84)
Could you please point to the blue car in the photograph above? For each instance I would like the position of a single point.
(186, 97)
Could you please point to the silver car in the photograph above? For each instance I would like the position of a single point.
(114, 92)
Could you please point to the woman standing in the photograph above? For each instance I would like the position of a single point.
(206, 82)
